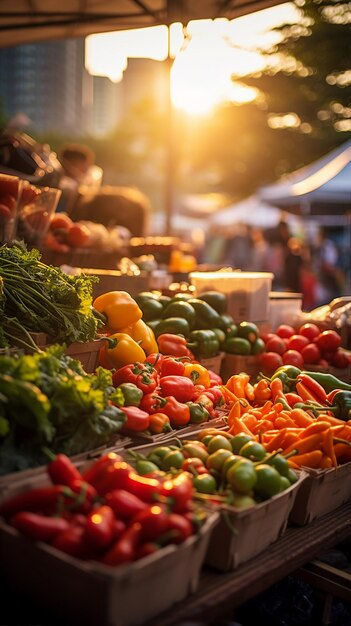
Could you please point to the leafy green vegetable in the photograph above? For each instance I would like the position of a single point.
(42, 298)
(46, 398)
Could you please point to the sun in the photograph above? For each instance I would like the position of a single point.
(206, 55)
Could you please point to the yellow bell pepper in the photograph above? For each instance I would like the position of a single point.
(198, 374)
(119, 308)
(144, 335)
(121, 350)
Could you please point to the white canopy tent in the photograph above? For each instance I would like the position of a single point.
(322, 188)
(251, 211)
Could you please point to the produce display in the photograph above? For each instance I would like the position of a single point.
(303, 346)
(164, 393)
(236, 468)
(107, 513)
(304, 415)
(64, 235)
(35, 297)
(46, 399)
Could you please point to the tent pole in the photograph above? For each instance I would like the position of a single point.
(170, 147)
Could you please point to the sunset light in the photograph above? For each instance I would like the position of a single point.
(205, 56)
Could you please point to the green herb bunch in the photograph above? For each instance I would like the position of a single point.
(35, 297)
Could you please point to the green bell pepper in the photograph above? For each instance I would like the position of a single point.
(151, 308)
(206, 316)
(180, 308)
(237, 345)
(220, 334)
(173, 325)
(226, 321)
(198, 413)
(131, 393)
(342, 405)
(153, 323)
(203, 343)
(218, 301)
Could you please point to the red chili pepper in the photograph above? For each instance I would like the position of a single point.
(180, 387)
(179, 528)
(178, 413)
(124, 504)
(38, 527)
(72, 541)
(100, 526)
(98, 468)
(115, 476)
(306, 393)
(152, 403)
(331, 394)
(153, 520)
(124, 549)
(313, 386)
(142, 375)
(86, 495)
(137, 419)
(45, 499)
(179, 491)
(292, 398)
(150, 547)
(62, 471)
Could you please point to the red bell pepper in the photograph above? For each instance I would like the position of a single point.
(152, 403)
(100, 527)
(180, 387)
(171, 366)
(124, 504)
(137, 419)
(173, 345)
(143, 375)
(38, 527)
(215, 379)
(124, 549)
(178, 413)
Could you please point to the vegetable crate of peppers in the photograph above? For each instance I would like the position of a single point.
(253, 490)
(305, 416)
(95, 537)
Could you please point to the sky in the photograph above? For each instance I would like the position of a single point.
(203, 62)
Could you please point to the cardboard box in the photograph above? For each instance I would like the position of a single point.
(242, 534)
(91, 593)
(213, 363)
(236, 363)
(323, 491)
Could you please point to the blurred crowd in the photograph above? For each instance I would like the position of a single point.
(310, 266)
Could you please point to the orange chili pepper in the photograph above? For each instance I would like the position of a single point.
(333, 421)
(316, 427)
(276, 387)
(249, 392)
(284, 422)
(341, 449)
(328, 445)
(312, 442)
(326, 462)
(309, 459)
(275, 443)
(239, 427)
(228, 395)
(262, 391)
(288, 439)
(159, 423)
(261, 426)
(301, 417)
(235, 411)
(237, 383)
(266, 407)
(250, 421)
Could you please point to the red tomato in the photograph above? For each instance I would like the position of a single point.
(267, 336)
(78, 236)
(284, 330)
(323, 363)
(270, 361)
(297, 342)
(275, 344)
(340, 359)
(293, 357)
(60, 220)
(328, 341)
(311, 353)
(311, 331)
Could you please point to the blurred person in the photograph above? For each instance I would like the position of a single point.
(259, 251)
(293, 263)
(325, 259)
(239, 247)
